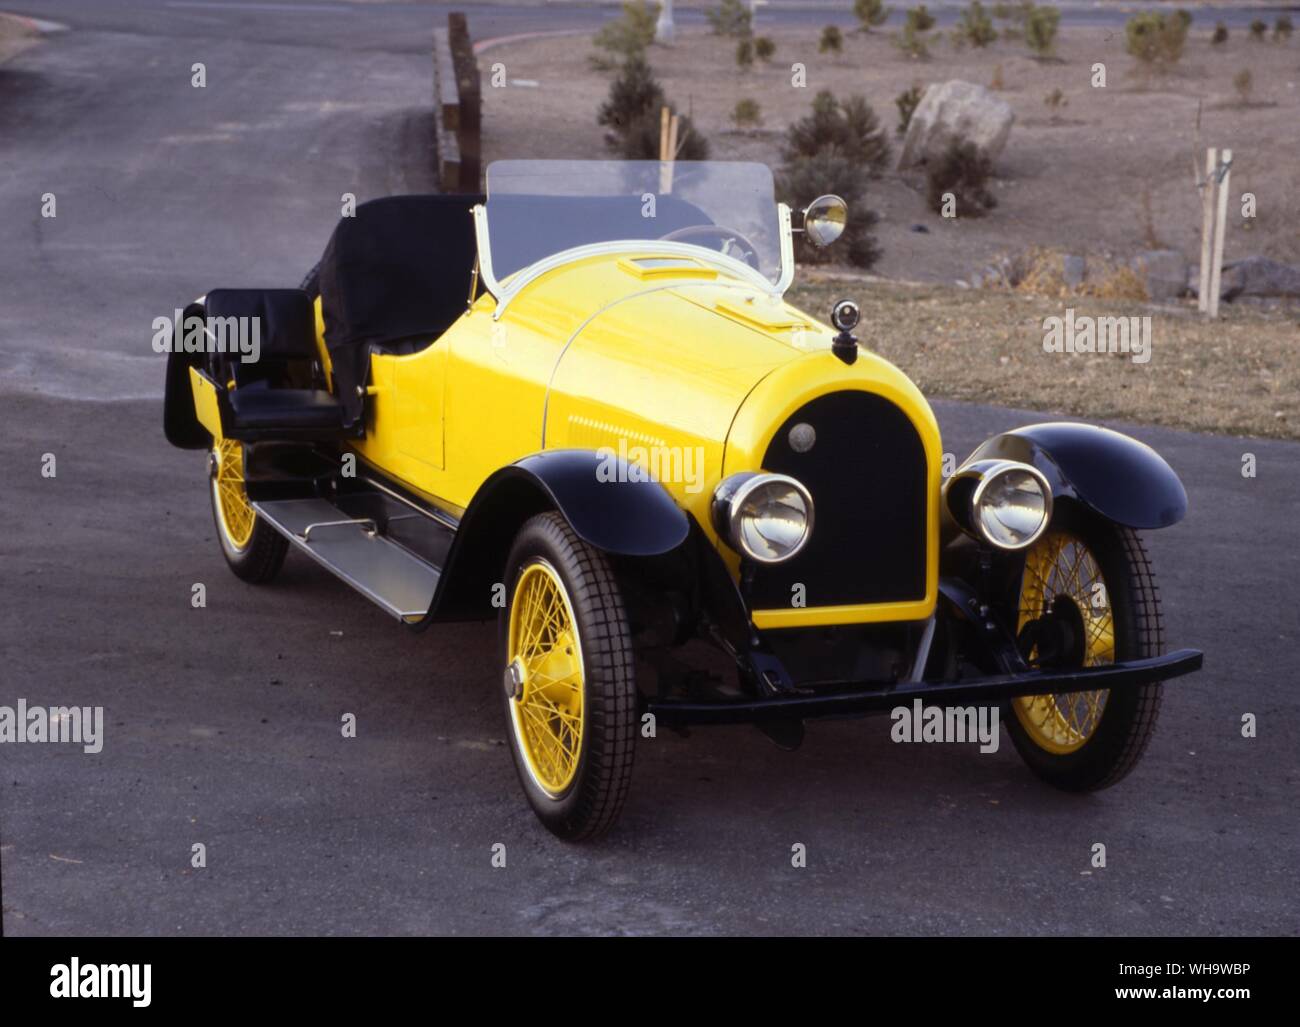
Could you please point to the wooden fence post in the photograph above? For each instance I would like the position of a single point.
(1220, 223)
(1207, 228)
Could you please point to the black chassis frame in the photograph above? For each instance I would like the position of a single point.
(1110, 475)
(986, 642)
(686, 590)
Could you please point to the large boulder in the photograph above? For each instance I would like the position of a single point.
(956, 109)
(1165, 272)
(1260, 276)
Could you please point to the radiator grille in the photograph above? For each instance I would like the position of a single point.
(866, 472)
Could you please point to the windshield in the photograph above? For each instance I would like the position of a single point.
(537, 208)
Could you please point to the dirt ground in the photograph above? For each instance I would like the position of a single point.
(1110, 174)
(1235, 376)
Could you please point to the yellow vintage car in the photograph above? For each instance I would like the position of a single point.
(581, 405)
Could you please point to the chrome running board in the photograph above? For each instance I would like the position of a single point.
(380, 549)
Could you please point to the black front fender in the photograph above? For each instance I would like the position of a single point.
(611, 507)
(610, 504)
(1121, 479)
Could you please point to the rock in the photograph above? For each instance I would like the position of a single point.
(1073, 270)
(1165, 272)
(1259, 276)
(955, 109)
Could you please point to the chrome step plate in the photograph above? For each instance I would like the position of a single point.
(387, 573)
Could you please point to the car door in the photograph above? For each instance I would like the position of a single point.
(419, 383)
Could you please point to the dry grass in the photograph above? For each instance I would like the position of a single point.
(1043, 275)
(1237, 376)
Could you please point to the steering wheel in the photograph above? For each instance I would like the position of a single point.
(726, 240)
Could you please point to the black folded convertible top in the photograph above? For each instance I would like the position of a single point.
(399, 269)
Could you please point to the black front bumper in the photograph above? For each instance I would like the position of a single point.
(968, 691)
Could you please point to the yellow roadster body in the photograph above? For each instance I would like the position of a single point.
(703, 394)
(581, 405)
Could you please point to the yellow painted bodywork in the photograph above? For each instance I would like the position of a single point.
(609, 352)
(205, 403)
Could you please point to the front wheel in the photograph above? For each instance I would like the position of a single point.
(568, 679)
(1087, 597)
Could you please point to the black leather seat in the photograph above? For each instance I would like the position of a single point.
(256, 406)
(271, 398)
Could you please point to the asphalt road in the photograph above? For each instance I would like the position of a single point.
(223, 722)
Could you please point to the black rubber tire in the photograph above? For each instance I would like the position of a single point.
(1129, 717)
(261, 559)
(594, 799)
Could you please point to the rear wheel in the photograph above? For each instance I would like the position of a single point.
(254, 550)
(568, 680)
(1087, 597)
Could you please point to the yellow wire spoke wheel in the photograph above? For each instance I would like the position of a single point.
(570, 679)
(234, 511)
(1061, 569)
(546, 678)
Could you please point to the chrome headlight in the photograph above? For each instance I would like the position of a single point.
(1002, 502)
(766, 517)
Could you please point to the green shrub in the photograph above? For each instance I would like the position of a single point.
(1040, 27)
(632, 113)
(634, 94)
(832, 40)
(1155, 39)
(1220, 34)
(849, 128)
(806, 177)
(870, 13)
(730, 18)
(1142, 36)
(629, 35)
(745, 52)
(963, 171)
(1175, 34)
(1282, 27)
(764, 48)
(1257, 29)
(974, 27)
(1054, 101)
(642, 141)
(1018, 14)
(746, 113)
(1243, 82)
(906, 102)
(914, 42)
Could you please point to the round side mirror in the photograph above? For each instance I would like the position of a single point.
(824, 220)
